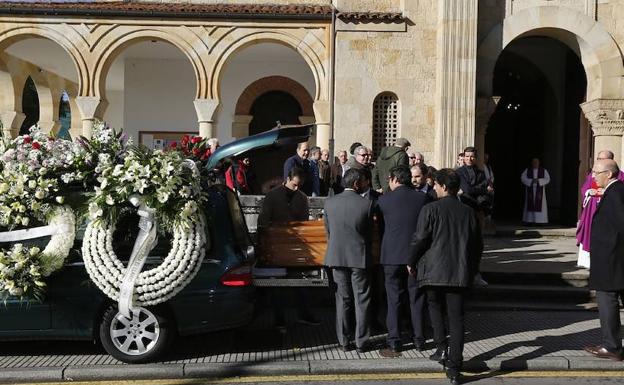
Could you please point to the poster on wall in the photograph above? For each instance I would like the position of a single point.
(157, 140)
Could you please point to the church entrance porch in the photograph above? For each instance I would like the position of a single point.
(541, 82)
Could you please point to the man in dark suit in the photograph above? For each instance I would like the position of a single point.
(348, 221)
(400, 208)
(474, 188)
(337, 171)
(445, 253)
(606, 272)
(300, 160)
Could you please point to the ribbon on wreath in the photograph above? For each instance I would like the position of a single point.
(34, 232)
(145, 242)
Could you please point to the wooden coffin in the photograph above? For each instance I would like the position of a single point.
(298, 244)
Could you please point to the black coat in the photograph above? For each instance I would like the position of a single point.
(400, 209)
(446, 248)
(304, 164)
(606, 272)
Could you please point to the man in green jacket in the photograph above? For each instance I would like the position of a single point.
(390, 156)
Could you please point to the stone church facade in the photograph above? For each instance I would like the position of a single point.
(363, 70)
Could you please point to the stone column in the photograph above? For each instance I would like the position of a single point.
(323, 128)
(240, 126)
(455, 79)
(51, 126)
(606, 117)
(91, 108)
(205, 109)
(485, 108)
(11, 123)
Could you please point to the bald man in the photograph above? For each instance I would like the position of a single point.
(606, 274)
(591, 195)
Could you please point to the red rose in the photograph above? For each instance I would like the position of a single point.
(206, 155)
(185, 140)
(27, 139)
(173, 145)
(196, 151)
(36, 145)
(196, 139)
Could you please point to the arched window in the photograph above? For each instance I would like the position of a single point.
(385, 121)
(30, 106)
(64, 116)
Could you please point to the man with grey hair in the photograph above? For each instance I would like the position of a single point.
(591, 196)
(362, 157)
(389, 157)
(213, 143)
(606, 273)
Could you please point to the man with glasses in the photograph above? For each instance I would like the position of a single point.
(362, 157)
(606, 274)
(591, 194)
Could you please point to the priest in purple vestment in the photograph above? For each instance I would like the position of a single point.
(534, 178)
(590, 194)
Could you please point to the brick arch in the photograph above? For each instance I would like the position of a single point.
(274, 83)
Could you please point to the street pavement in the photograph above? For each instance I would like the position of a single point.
(505, 339)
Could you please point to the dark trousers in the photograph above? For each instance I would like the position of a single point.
(451, 298)
(399, 286)
(609, 313)
(352, 293)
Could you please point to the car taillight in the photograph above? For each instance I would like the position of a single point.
(238, 276)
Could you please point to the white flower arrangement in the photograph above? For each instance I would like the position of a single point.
(20, 272)
(166, 183)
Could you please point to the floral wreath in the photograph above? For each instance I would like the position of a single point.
(34, 169)
(167, 188)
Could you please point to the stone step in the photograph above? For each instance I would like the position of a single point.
(577, 278)
(532, 293)
(532, 232)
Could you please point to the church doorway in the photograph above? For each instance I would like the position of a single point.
(540, 82)
(268, 109)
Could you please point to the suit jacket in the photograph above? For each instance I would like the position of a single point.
(400, 209)
(348, 222)
(447, 245)
(606, 272)
(283, 205)
(474, 187)
(304, 164)
(336, 177)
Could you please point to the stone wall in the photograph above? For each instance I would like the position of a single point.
(368, 63)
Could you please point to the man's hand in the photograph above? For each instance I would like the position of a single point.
(411, 271)
(460, 192)
(379, 190)
(490, 189)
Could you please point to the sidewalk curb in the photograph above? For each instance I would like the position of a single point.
(241, 369)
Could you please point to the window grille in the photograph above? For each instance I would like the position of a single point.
(385, 121)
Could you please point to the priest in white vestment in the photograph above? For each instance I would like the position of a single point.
(534, 178)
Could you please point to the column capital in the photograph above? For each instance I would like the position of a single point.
(321, 111)
(205, 109)
(11, 122)
(606, 116)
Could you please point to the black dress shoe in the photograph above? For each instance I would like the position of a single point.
(440, 355)
(346, 348)
(454, 378)
(362, 349)
(419, 345)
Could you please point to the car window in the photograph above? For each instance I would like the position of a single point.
(239, 226)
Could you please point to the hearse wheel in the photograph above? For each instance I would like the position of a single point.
(142, 338)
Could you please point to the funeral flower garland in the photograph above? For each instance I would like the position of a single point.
(30, 194)
(166, 183)
(37, 172)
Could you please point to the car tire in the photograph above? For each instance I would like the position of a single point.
(143, 338)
